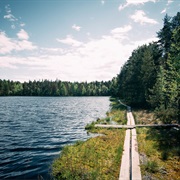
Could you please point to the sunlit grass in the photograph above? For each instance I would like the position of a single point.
(96, 158)
(118, 116)
(159, 148)
(115, 116)
(159, 151)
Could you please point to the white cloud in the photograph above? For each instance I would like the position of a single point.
(140, 17)
(7, 45)
(121, 30)
(163, 11)
(123, 6)
(25, 45)
(69, 40)
(22, 24)
(145, 41)
(134, 2)
(51, 50)
(102, 2)
(75, 27)
(139, 1)
(169, 2)
(8, 15)
(98, 59)
(23, 35)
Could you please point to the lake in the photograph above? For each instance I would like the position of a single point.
(33, 131)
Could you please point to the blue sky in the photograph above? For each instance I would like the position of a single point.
(75, 40)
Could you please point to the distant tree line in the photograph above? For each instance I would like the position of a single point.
(149, 79)
(151, 76)
(55, 88)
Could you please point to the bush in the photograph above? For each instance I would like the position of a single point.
(90, 126)
(167, 116)
(151, 166)
(164, 155)
(107, 119)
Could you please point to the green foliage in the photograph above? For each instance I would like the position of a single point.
(151, 76)
(55, 88)
(151, 166)
(167, 116)
(107, 119)
(138, 75)
(149, 79)
(96, 158)
(159, 150)
(117, 113)
(164, 155)
(90, 126)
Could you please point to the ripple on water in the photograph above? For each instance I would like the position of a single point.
(35, 129)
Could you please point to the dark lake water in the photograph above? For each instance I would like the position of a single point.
(33, 131)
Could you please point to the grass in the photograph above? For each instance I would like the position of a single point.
(115, 116)
(118, 116)
(98, 157)
(159, 150)
(145, 117)
(151, 166)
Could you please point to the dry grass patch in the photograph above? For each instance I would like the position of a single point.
(145, 117)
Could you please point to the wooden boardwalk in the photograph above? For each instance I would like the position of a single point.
(134, 126)
(130, 164)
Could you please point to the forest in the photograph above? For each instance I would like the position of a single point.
(151, 76)
(149, 79)
(55, 88)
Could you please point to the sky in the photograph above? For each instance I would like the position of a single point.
(75, 40)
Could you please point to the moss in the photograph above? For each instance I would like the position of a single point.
(96, 158)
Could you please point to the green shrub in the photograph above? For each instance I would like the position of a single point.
(167, 116)
(151, 166)
(107, 119)
(164, 155)
(90, 126)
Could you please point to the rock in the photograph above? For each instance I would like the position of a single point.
(143, 158)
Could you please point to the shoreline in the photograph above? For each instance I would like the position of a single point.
(159, 172)
(97, 157)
